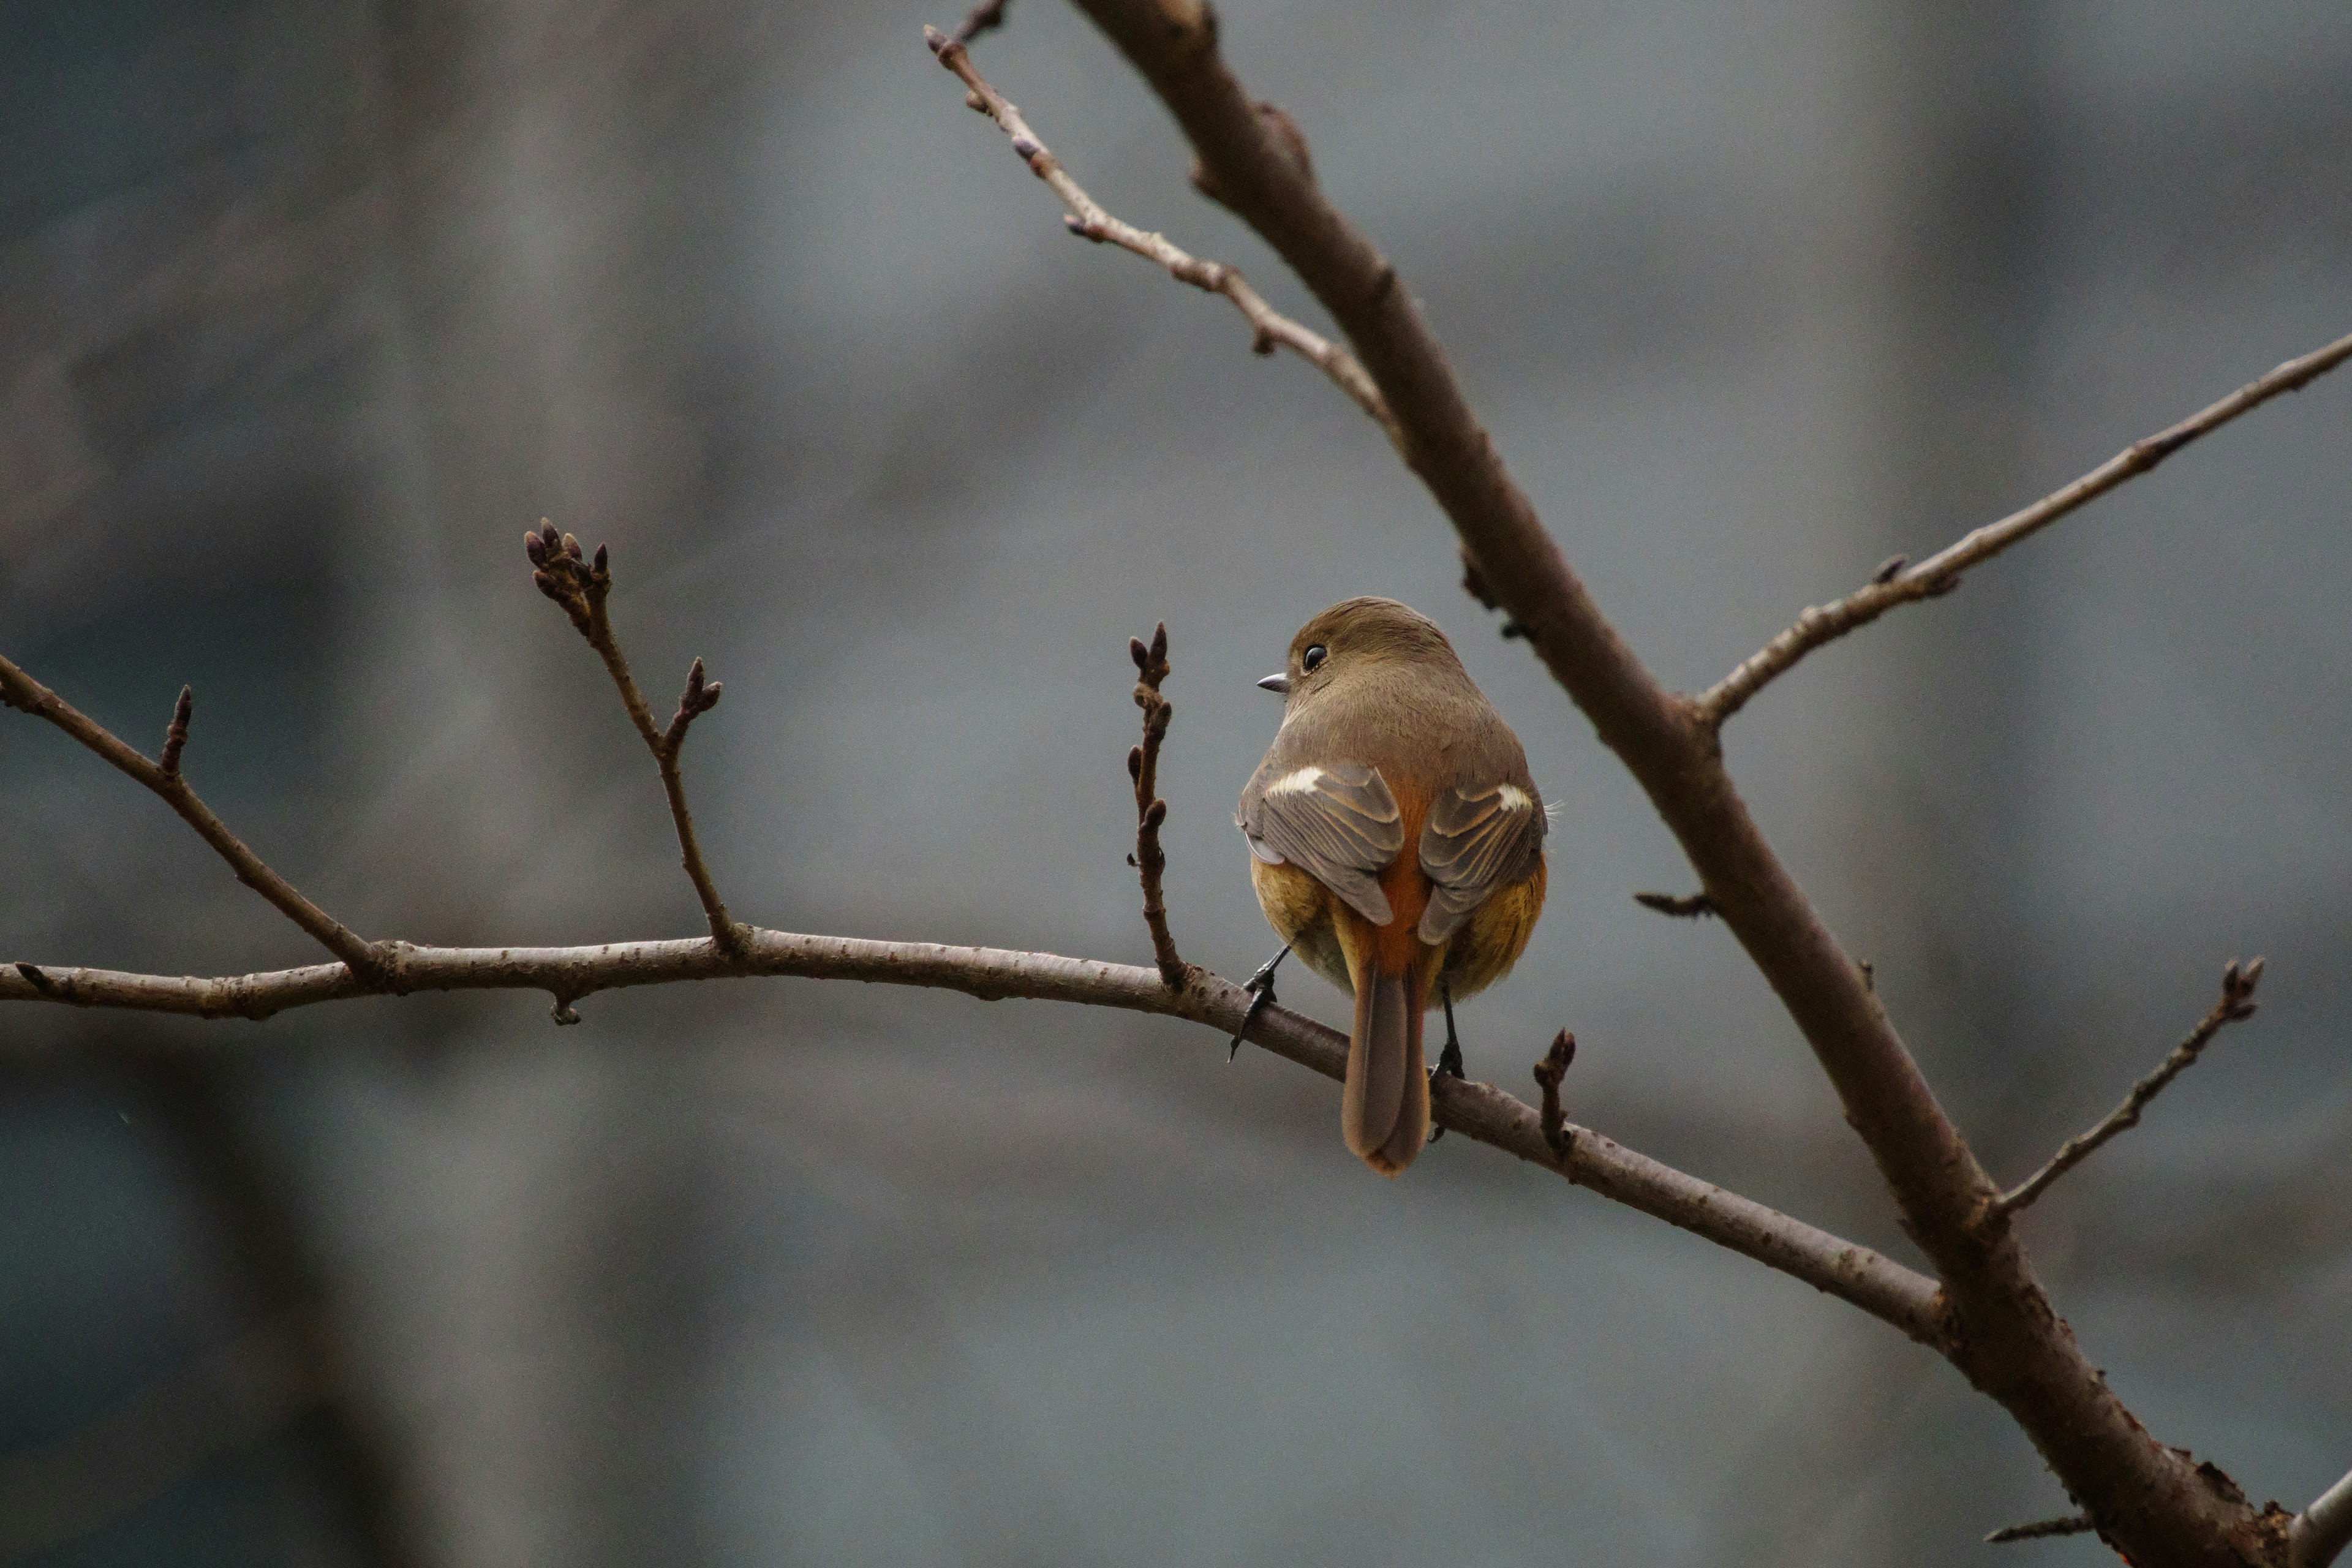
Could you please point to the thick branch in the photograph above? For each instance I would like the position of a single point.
(1269, 326)
(2320, 1532)
(2237, 1003)
(21, 692)
(1940, 572)
(2008, 1339)
(580, 587)
(1854, 1274)
(1143, 769)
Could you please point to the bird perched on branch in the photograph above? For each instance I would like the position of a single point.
(1396, 843)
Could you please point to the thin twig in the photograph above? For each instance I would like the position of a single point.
(1682, 906)
(984, 18)
(2320, 1532)
(1940, 572)
(1550, 1072)
(21, 692)
(2073, 1524)
(1855, 1274)
(1151, 811)
(2237, 1003)
(1270, 328)
(582, 586)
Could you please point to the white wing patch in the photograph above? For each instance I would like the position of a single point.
(1514, 798)
(1303, 782)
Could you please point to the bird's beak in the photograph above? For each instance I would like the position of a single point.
(1278, 684)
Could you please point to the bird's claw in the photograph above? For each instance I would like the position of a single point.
(1261, 989)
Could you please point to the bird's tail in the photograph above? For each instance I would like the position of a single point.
(1384, 1109)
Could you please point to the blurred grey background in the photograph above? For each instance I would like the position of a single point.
(307, 311)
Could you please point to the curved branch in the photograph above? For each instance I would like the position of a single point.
(1940, 572)
(1854, 1274)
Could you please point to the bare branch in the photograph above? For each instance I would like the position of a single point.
(1151, 811)
(2237, 1003)
(2014, 1348)
(580, 587)
(175, 736)
(984, 18)
(1854, 1274)
(2073, 1524)
(21, 692)
(1682, 906)
(1550, 1074)
(2319, 1533)
(1269, 327)
(1940, 572)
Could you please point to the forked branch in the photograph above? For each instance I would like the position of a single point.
(1894, 583)
(2237, 1003)
(580, 587)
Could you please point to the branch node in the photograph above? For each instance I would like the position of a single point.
(563, 1013)
(38, 981)
(1682, 906)
(1550, 1072)
(1888, 568)
(696, 700)
(175, 738)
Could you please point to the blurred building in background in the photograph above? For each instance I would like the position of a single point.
(307, 311)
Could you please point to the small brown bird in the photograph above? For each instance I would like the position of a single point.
(1397, 846)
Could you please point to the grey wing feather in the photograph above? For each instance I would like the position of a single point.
(1342, 827)
(1472, 843)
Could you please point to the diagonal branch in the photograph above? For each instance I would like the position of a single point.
(1940, 572)
(581, 589)
(1854, 1274)
(2319, 1533)
(1143, 768)
(2041, 1530)
(2237, 1003)
(1087, 219)
(2154, 1501)
(21, 692)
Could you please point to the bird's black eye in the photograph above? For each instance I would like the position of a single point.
(1313, 657)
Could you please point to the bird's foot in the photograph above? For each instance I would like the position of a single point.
(1449, 1060)
(1261, 989)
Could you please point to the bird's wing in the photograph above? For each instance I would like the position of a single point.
(1338, 824)
(1475, 841)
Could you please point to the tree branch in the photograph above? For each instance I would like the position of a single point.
(1269, 327)
(2237, 1003)
(2041, 1530)
(2008, 1340)
(2320, 1532)
(1853, 1274)
(1143, 768)
(1940, 572)
(21, 692)
(580, 587)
